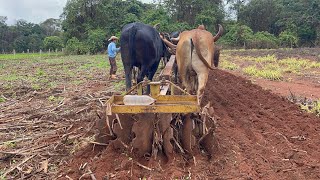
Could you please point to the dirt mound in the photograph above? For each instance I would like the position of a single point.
(261, 135)
(258, 135)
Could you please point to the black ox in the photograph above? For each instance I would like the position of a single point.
(141, 47)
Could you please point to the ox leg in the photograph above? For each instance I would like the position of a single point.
(175, 72)
(202, 81)
(141, 75)
(135, 72)
(151, 73)
(128, 72)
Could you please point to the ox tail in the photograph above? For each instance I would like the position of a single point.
(216, 56)
(192, 48)
(132, 44)
(196, 45)
(191, 75)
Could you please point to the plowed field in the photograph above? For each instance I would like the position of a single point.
(47, 132)
(258, 135)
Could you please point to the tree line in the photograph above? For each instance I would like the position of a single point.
(85, 25)
(25, 36)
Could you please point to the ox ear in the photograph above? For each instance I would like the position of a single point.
(202, 27)
(157, 26)
(219, 34)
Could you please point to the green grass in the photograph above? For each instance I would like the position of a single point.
(40, 72)
(274, 75)
(28, 55)
(316, 108)
(314, 65)
(120, 85)
(268, 66)
(263, 59)
(294, 65)
(251, 70)
(228, 65)
(54, 71)
(2, 99)
(270, 72)
(312, 108)
(10, 144)
(10, 77)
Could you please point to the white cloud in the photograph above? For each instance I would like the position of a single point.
(34, 11)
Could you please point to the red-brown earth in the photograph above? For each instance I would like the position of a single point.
(259, 135)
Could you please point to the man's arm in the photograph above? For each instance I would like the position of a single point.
(114, 48)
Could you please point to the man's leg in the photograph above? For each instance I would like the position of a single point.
(113, 68)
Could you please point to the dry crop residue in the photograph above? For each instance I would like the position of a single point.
(259, 136)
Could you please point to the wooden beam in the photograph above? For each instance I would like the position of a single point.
(166, 72)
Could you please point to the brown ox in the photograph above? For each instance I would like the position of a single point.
(194, 55)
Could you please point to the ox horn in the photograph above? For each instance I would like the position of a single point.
(175, 39)
(169, 44)
(219, 34)
(156, 26)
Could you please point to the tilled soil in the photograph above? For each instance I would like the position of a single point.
(259, 135)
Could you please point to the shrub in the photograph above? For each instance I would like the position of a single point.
(53, 43)
(95, 40)
(74, 46)
(288, 39)
(237, 36)
(263, 40)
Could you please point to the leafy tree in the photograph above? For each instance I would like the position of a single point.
(34, 42)
(3, 20)
(238, 35)
(21, 44)
(95, 40)
(235, 7)
(51, 27)
(260, 15)
(154, 16)
(53, 43)
(263, 40)
(210, 18)
(288, 39)
(187, 10)
(129, 18)
(74, 46)
(24, 28)
(3, 29)
(81, 16)
(86, 23)
(304, 15)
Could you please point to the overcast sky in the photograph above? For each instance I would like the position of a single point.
(34, 11)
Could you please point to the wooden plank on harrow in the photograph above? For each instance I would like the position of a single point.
(164, 89)
(166, 72)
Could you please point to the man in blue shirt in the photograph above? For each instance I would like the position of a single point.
(112, 53)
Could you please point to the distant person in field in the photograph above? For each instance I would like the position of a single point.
(112, 53)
